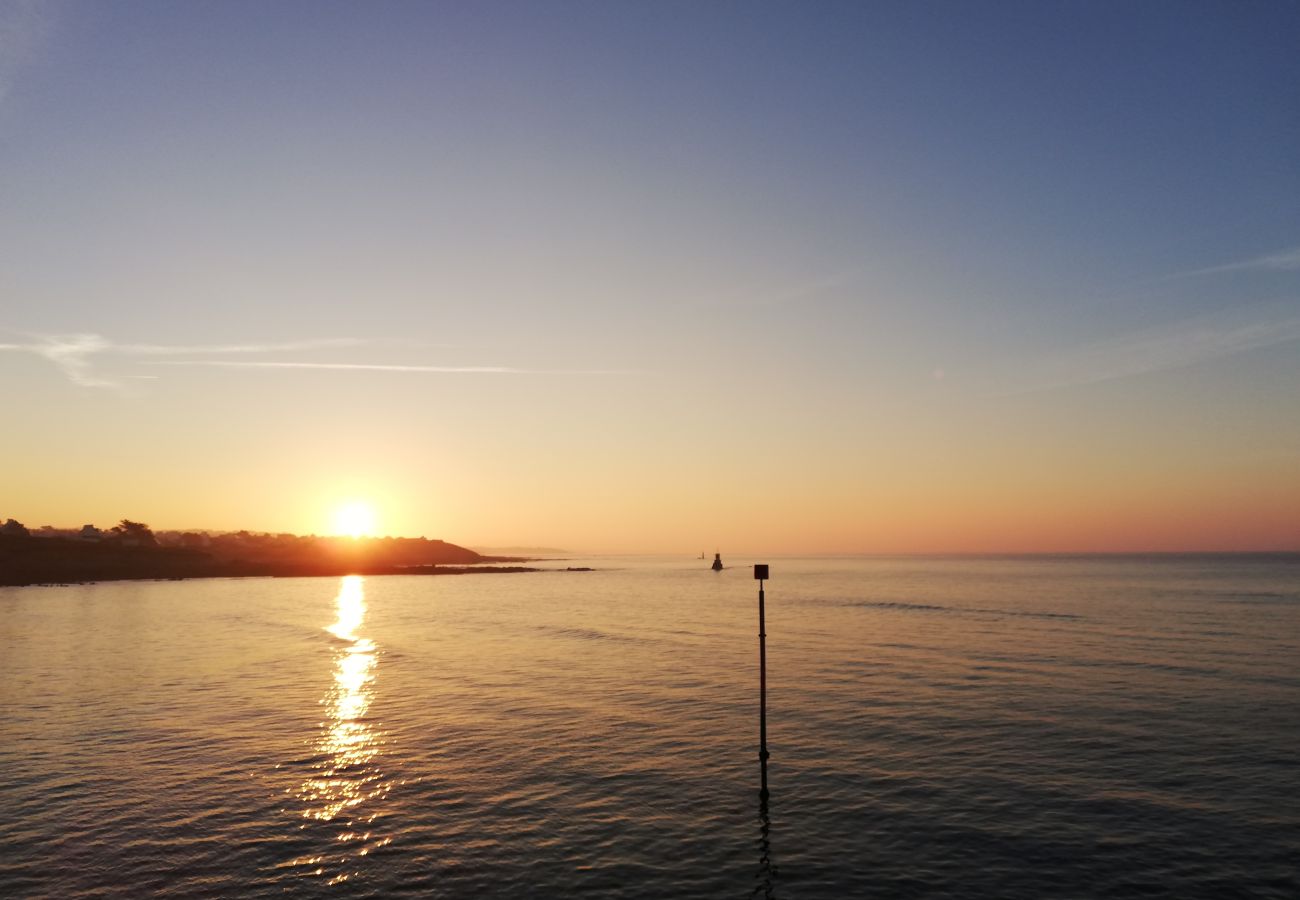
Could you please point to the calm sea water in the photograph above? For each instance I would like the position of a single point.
(1013, 728)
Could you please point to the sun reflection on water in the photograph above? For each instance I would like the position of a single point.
(344, 772)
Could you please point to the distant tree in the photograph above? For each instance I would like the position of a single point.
(14, 528)
(135, 533)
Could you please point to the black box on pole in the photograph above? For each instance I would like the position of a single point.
(760, 571)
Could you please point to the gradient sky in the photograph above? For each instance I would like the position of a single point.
(663, 277)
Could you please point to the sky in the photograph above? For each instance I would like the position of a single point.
(908, 277)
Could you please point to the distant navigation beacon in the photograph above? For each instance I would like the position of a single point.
(717, 562)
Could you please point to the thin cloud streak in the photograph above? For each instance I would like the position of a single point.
(181, 349)
(71, 353)
(74, 355)
(803, 291)
(382, 367)
(1184, 344)
(1285, 261)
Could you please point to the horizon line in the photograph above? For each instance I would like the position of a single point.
(740, 554)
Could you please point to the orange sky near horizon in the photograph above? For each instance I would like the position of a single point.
(1120, 467)
(846, 496)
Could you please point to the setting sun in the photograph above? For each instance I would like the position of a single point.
(355, 520)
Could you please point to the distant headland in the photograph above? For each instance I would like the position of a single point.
(132, 550)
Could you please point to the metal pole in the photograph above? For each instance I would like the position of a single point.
(762, 691)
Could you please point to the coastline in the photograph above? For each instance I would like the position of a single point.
(262, 572)
(26, 561)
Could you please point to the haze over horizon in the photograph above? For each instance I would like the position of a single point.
(671, 277)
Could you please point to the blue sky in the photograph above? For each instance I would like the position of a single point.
(919, 213)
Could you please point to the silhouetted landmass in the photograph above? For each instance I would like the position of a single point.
(132, 551)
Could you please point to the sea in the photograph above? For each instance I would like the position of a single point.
(1018, 727)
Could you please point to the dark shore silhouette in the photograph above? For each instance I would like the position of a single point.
(132, 551)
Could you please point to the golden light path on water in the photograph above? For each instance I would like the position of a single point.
(344, 775)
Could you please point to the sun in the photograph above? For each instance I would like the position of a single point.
(355, 520)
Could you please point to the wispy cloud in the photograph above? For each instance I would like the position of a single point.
(382, 367)
(797, 292)
(184, 349)
(1284, 261)
(76, 356)
(1177, 346)
(811, 288)
(72, 353)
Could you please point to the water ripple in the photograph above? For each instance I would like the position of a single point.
(939, 729)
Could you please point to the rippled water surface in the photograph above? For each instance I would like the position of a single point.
(1014, 728)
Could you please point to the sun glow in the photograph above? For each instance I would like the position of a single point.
(355, 520)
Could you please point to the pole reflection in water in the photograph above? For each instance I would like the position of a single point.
(346, 785)
(766, 875)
